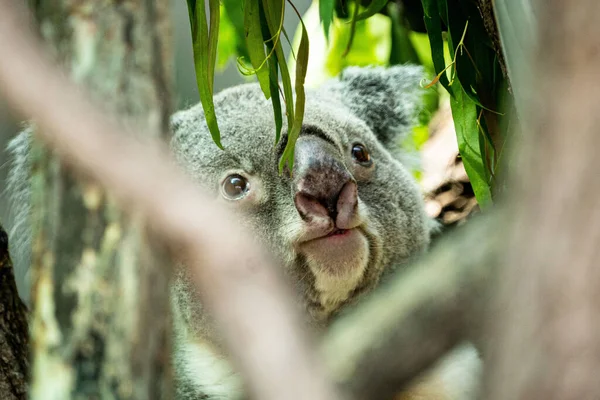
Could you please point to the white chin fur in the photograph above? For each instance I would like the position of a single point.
(338, 265)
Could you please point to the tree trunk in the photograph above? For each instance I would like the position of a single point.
(545, 325)
(100, 294)
(14, 346)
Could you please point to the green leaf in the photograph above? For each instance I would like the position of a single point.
(326, 8)
(273, 76)
(371, 44)
(301, 68)
(227, 45)
(402, 50)
(374, 8)
(235, 14)
(274, 14)
(464, 113)
(192, 14)
(275, 99)
(433, 24)
(289, 42)
(255, 44)
(204, 40)
(352, 29)
(213, 38)
(443, 10)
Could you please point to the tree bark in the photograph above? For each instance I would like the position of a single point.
(14, 335)
(100, 294)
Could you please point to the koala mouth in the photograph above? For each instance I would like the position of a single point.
(338, 253)
(338, 261)
(338, 232)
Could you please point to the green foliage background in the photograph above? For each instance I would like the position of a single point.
(449, 38)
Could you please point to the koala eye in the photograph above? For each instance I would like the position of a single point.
(235, 187)
(361, 154)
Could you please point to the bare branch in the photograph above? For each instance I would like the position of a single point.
(245, 295)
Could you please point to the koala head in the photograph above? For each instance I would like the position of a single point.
(348, 211)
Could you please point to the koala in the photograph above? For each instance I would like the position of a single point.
(347, 214)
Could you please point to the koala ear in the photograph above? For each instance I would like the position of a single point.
(176, 121)
(182, 118)
(387, 99)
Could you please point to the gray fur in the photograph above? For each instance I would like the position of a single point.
(373, 106)
(387, 100)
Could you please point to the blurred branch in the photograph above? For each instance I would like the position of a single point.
(546, 321)
(238, 291)
(418, 316)
(536, 316)
(14, 334)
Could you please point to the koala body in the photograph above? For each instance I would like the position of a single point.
(348, 212)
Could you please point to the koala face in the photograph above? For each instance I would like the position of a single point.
(348, 211)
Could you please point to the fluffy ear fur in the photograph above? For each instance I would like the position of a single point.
(387, 99)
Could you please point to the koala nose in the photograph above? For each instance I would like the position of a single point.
(322, 184)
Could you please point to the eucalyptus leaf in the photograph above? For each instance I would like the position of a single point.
(459, 33)
(192, 14)
(227, 45)
(204, 40)
(273, 76)
(402, 50)
(289, 42)
(255, 44)
(372, 9)
(433, 23)
(464, 113)
(234, 10)
(213, 38)
(443, 10)
(275, 99)
(352, 29)
(301, 68)
(326, 8)
(274, 14)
